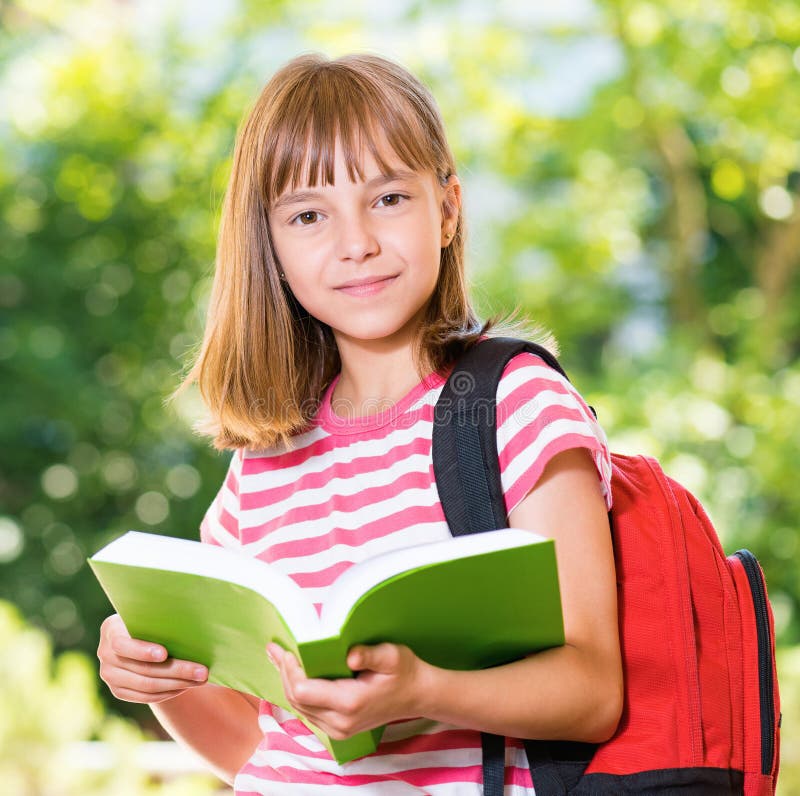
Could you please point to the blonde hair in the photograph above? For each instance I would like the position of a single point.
(264, 361)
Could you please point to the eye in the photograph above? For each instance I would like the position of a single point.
(306, 218)
(392, 199)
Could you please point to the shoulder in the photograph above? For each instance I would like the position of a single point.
(539, 415)
(529, 383)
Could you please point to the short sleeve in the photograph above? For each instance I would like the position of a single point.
(539, 415)
(220, 525)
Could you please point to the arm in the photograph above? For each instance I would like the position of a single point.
(219, 724)
(572, 692)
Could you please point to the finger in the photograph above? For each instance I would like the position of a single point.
(378, 658)
(129, 695)
(118, 677)
(318, 694)
(291, 674)
(137, 650)
(274, 653)
(184, 671)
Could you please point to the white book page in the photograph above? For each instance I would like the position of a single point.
(363, 576)
(197, 558)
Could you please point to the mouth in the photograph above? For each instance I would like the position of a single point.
(367, 286)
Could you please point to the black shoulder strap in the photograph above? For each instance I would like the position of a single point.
(465, 463)
(467, 473)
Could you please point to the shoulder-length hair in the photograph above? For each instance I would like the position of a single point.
(264, 361)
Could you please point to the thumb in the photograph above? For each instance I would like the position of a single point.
(377, 658)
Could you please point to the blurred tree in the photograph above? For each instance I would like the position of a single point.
(113, 166)
(46, 706)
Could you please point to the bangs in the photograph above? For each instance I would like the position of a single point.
(339, 104)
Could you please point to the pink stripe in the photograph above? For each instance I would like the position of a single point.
(558, 384)
(323, 446)
(312, 580)
(529, 478)
(318, 479)
(526, 436)
(205, 533)
(528, 392)
(350, 503)
(282, 742)
(231, 481)
(513, 775)
(229, 523)
(291, 726)
(421, 777)
(431, 742)
(299, 515)
(403, 518)
(521, 777)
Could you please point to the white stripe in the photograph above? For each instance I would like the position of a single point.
(382, 765)
(342, 551)
(216, 529)
(428, 399)
(526, 457)
(534, 371)
(528, 412)
(390, 788)
(344, 519)
(299, 442)
(359, 448)
(229, 499)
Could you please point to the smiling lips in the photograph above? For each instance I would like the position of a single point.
(368, 286)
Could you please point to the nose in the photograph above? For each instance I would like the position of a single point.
(357, 238)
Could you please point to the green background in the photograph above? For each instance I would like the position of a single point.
(631, 173)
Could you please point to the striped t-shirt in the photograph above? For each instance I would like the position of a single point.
(352, 488)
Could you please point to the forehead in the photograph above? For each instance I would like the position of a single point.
(359, 167)
(356, 150)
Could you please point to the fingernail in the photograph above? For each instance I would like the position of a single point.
(157, 654)
(200, 673)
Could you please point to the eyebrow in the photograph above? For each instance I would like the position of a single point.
(304, 196)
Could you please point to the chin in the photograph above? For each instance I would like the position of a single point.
(372, 332)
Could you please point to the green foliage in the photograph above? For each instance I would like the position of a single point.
(789, 672)
(46, 707)
(653, 224)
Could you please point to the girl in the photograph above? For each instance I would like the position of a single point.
(339, 306)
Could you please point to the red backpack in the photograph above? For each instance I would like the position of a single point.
(701, 710)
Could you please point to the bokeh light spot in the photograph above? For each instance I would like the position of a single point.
(735, 81)
(183, 480)
(119, 471)
(727, 179)
(11, 540)
(60, 481)
(776, 202)
(152, 508)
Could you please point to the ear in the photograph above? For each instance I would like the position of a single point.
(451, 206)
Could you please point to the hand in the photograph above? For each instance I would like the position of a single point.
(390, 685)
(140, 671)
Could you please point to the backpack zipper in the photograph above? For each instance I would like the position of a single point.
(765, 674)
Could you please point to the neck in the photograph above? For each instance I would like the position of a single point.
(374, 376)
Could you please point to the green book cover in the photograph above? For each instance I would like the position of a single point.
(467, 602)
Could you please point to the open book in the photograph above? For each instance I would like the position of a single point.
(463, 603)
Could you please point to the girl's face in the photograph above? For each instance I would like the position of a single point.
(363, 257)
